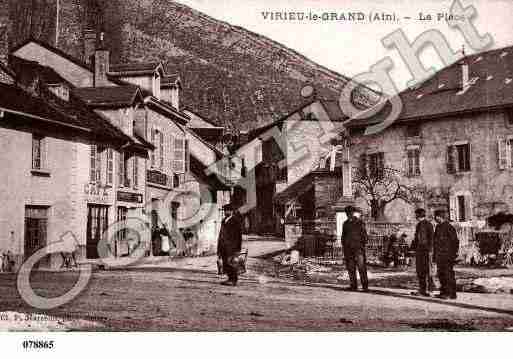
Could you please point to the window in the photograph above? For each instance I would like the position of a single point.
(136, 171)
(95, 169)
(242, 167)
(377, 164)
(461, 208)
(179, 155)
(458, 158)
(38, 152)
(413, 131)
(60, 90)
(110, 167)
(176, 180)
(413, 168)
(505, 149)
(509, 116)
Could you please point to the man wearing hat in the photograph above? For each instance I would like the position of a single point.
(423, 246)
(354, 238)
(446, 245)
(230, 243)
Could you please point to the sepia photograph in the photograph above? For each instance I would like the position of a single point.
(223, 166)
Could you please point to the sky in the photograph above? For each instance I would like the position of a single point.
(351, 48)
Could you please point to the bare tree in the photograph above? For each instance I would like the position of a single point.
(379, 188)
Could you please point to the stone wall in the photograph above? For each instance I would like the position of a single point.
(488, 187)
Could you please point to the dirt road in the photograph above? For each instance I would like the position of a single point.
(183, 300)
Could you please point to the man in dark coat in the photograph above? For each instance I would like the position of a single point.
(230, 243)
(423, 246)
(446, 245)
(354, 238)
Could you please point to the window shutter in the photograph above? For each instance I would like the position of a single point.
(451, 160)
(110, 167)
(502, 146)
(92, 169)
(121, 169)
(161, 150)
(136, 171)
(98, 165)
(44, 149)
(468, 149)
(468, 208)
(453, 208)
(187, 156)
(179, 155)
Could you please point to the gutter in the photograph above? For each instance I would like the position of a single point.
(3, 110)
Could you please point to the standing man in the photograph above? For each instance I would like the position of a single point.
(230, 243)
(446, 246)
(354, 238)
(423, 246)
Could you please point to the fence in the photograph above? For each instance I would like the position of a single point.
(317, 239)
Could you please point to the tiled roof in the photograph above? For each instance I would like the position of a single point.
(51, 108)
(29, 69)
(138, 68)
(491, 86)
(111, 96)
(53, 49)
(332, 108)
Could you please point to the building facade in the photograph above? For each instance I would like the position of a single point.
(451, 143)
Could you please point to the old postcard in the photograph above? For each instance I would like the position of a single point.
(228, 166)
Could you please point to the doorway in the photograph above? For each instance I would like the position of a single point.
(97, 223)
(36, 230)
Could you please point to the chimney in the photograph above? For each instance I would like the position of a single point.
(464, 71)
(89, 45)
(175, 96)
(101, 64)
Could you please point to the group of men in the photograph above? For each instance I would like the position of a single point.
(439, 245)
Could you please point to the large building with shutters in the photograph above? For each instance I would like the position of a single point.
(158, 171)
(452, 141)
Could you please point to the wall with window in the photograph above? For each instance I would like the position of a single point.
(464, 163)
(39, 170)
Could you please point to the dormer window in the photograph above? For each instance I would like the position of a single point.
(60, 90)
(156, 85)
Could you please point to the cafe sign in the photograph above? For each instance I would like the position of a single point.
(96, 192)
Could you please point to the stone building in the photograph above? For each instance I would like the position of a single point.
(451, 143)
(57, 176)
(132, 98)
(294, 176)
